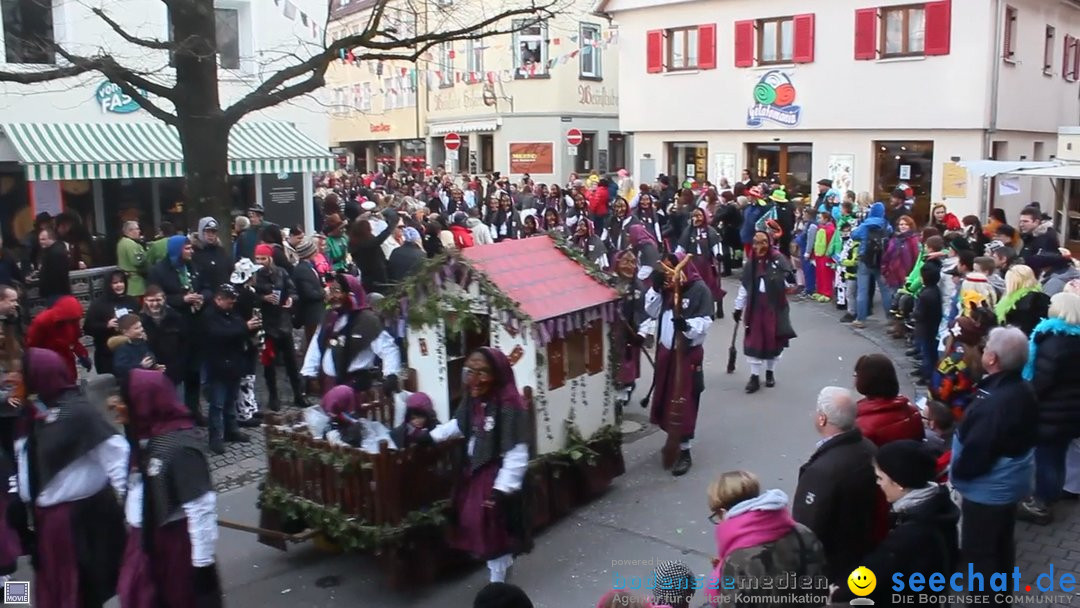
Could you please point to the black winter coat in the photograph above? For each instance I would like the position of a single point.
(168, 339)
(837, 497)
(1029, 311)
(923, 539)
(277, 320)
(53, 273)
(310, 303)
(368, 256)
(214, 265)
(404, 261)
(1002, 420)
(1057, 384)
(928, 312)
(226, 351)
(100, 311)
(164, 275)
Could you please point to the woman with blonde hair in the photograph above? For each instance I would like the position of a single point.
(756, 537)
(1051, 369)
(1024, 304)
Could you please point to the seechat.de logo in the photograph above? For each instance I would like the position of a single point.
(862, 581)
(17, 593)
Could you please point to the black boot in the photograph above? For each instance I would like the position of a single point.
(770, 380)
(719, 309)
(683, 464)
(217, 445)
(754, 385)
(237, 436)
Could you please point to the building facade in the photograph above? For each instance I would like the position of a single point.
(870, 96)
(511, 98)
(80, 145)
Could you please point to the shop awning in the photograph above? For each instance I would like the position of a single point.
(56, 151)
(991, 168)
(1064, 171)
(469, 126)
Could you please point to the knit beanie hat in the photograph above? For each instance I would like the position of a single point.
(502, 595)
(907, 463)
(264, 249)
(411, 235)
(674, 584)
(306, 248)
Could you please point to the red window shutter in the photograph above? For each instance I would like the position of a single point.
(707, 46)
(744, 44)
(803, 51)
(866, 33)
(556, 362)
(654, 51)
(1076, 59)
(938, 27)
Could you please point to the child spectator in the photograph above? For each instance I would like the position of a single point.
(131, 349)
(939, 422)
(927, 315)
(848, 260)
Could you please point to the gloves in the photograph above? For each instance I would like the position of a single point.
(84, 361)
(659, 278)
(207, 587)
(681, 324)
(391, 385)
(737, 315)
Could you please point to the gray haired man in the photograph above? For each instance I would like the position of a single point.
(837, 495)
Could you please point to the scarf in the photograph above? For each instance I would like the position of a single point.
(1052, 325)
(750, 523)
(1010, 300)
(915, 498)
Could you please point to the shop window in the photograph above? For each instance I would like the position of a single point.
(28, 31)
(905, 164)
(789, 164)
(687, 160)
(590, 51)
(1048, 51)
(530, 48)
(475, 60)
(1008, 50)
(446, 65)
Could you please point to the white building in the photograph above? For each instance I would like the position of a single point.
(870, 96)
(80, 145)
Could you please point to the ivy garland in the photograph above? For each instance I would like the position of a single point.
(289, 450)
(540, 403)
(594, 271)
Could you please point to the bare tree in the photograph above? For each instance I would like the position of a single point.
(201, 121)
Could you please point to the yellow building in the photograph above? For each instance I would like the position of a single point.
(511, 98)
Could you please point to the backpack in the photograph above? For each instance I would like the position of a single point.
(873, 248)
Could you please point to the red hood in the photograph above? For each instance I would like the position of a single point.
(882, 420)
(67, 308)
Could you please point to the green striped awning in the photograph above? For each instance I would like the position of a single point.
(56, 151)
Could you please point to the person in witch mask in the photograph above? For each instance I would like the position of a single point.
(420, 420)
(494, 421)
(615, 234)
(344, 349)
(553, 223)
(763, 297)
(647, 251)
(634, 327)
(72, 469)
(171, 504)
(590, 245)
(528, 225)
(703, 241)
(649, 216)
(505, 223)
(579, 211)
(695, 318)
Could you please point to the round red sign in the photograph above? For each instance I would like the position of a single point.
(452, 141)
(574, 137)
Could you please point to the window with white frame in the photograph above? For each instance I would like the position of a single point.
(590, 51)
(408, 92)
(391, 94)
(446, 65)
(475, 50)
(530, 48)
(366, 95)
(28, 31)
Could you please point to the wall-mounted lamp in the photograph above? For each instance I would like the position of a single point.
(954, 159)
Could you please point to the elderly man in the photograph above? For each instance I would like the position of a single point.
(837, 495)
(407, 259)
(993, 455)
(131, 258)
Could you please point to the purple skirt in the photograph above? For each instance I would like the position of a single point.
(481, 531)
(663, 391)
(166, 580)
(761, 340)
(707, 269)
(629, 358)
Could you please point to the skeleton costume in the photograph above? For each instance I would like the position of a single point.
(495, 426)
(72, 466)
(351, 338)
(243, 273)
(171, 505)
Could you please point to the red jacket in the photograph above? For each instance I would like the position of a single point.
(598, 201)
(885, 420)
(463, 237)
(58, 329)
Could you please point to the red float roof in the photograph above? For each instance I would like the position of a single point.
(541, 279)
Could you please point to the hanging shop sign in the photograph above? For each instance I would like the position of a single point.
(113, 100)
(534, 158)
(774, 101)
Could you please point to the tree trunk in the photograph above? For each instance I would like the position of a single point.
(205, 144)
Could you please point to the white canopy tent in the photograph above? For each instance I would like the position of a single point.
(992, 168)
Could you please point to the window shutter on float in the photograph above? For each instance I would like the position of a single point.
(938, 27)
(803, 49)
(866, 26)
(556, 362)
(744, 44)
(595, 341)
(707, 46)
(654, 51)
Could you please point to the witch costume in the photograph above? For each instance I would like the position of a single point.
(633, 328)
(495, 426)
(695, 318)
(72, 466)
(351, 338)
(763, 299)
(171, 505)
(589, 244)
(615, 235)
(647, 250)
(650, 217)
(703, 242)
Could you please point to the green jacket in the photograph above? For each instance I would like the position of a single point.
(913, 284)
(131, 258)
(157, 251)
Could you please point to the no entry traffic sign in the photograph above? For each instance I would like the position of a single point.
(574, 137)
(452, 141)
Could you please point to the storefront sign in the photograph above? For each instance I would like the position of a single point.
(380, 128)
(114, 101)
(533, 158)
(598, 96)
(774, 101)
(282, 197)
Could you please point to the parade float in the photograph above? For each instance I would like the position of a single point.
(552, 313)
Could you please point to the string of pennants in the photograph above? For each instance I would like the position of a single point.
(291, 12)
(436, 76)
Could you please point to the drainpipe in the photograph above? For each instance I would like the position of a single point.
(995, 79)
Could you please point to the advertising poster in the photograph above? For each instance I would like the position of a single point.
(840, 172)
(955, 181)
(533, 158)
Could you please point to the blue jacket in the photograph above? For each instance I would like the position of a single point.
(875, 219)
(750, 217)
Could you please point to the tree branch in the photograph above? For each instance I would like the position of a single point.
(150, 43)
(47, 75)
(273, 90)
